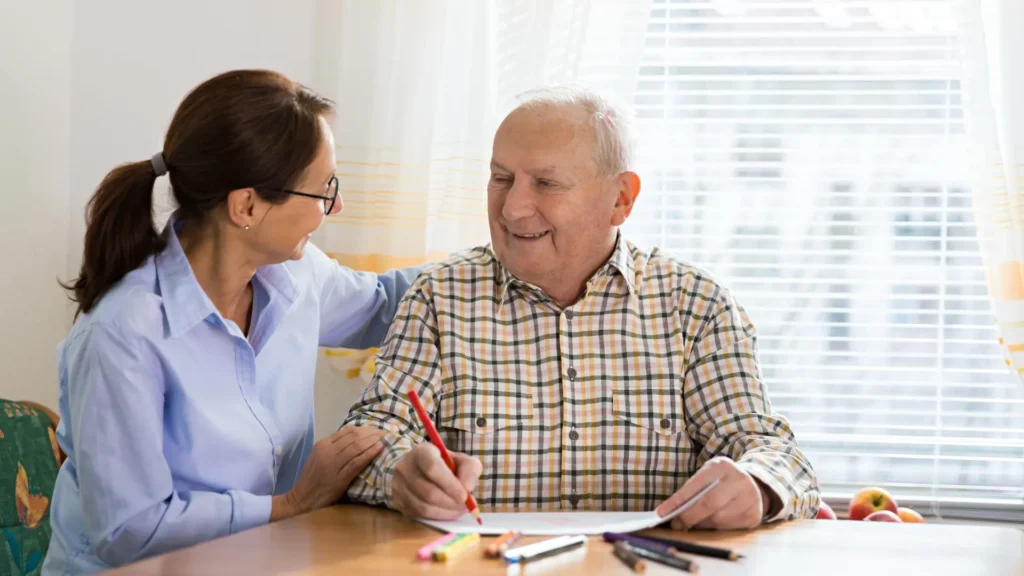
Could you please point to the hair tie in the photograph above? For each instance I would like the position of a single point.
(159, 165)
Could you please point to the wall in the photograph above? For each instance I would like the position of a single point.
(83, 91)
(35, 135)
(133, 62)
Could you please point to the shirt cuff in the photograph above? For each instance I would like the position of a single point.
(387, 472)
(759, 473)
(248, 510)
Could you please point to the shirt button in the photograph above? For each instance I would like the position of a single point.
(277, 451)
(666, 423)
(571, 373)
(574, 499)
(569, 314)
(574, 435)
(481, 422)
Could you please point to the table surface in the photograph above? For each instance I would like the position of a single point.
(341, 538)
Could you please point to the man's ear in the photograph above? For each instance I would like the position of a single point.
(241, 205)
(627, 189)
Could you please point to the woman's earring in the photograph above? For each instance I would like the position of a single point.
(247, 227)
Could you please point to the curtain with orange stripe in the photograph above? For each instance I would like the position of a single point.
(993, 93)
(421, 86)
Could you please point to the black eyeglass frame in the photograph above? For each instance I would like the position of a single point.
(329, 201)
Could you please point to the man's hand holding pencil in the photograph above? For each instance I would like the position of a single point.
(432, 482)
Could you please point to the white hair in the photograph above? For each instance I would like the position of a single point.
(610, 119)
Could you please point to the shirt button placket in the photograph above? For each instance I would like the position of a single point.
(570, 417)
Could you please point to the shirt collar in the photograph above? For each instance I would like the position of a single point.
(277, 278)
(621, 261)
(184, 301)
(505, 280)
(185, 304)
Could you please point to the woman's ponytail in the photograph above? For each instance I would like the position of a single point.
(119, 233)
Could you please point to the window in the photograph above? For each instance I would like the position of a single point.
(811, 154)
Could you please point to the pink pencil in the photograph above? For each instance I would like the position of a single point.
(424, 552)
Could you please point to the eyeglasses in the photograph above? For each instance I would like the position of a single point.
(329, 199)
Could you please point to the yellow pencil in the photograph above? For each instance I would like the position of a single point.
(457, 547)
(435, 553)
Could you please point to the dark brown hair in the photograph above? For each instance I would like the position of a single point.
(240, 129)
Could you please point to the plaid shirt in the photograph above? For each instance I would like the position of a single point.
(609, 404)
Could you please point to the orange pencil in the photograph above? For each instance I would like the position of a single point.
(435, 438)
(498, 547)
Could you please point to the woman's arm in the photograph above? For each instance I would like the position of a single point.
(357, 308)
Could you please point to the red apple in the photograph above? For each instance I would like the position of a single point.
(825, 512)
(909, 516)
(883, 516)
(870, 500)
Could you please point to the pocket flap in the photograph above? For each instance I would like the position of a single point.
(482, 409)
(659, 409)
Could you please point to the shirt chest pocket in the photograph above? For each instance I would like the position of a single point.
(651, 426)
(485, 418)
(656, 408)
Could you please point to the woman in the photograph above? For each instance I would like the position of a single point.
(186, 384)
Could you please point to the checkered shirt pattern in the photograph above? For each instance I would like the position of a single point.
(609, 404)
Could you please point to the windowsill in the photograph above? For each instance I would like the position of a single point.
(842, 515)
(968, 522)
(958, 514)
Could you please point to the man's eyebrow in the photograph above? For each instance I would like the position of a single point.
(545, 171)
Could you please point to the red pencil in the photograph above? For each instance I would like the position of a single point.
(435, 438)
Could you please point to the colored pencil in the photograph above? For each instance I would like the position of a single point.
(639, 542)
(665, 559)
(544, 549)
(425, 552)
(456, 547)
(435, 438)
(436, 552)
(499, 546)
(622, 552)
(697, 549)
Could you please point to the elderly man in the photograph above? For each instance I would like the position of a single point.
(565, 368)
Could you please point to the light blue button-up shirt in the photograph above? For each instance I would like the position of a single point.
(178, 429)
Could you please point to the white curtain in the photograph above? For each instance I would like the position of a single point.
(993, 93)
(421, 85)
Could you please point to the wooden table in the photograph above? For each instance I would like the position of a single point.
(360, 541)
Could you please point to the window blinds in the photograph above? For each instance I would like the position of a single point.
(811, 154)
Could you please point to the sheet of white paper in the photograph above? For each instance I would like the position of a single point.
(550, 523)
(561, 523)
